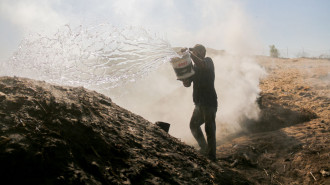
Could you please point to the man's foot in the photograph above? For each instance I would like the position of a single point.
(202, 151)
(212, 158)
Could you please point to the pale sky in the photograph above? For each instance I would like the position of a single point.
(232, 25)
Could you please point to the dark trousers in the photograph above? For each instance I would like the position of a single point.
(204, 114)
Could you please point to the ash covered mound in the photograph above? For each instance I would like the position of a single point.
(64, 135)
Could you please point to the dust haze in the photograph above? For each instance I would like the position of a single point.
(158, 96)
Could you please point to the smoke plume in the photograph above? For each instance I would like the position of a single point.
(158, 96)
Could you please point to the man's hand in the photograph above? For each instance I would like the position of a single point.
(197, 60)
(184, 49)
(186, 82)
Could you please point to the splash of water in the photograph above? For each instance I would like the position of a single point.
(99, 58)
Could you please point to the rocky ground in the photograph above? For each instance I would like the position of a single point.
(63, 135)
(290, 142)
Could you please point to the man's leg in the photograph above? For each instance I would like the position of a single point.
(210, 127)
(195, 127)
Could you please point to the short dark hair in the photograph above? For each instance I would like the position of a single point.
(200, 49)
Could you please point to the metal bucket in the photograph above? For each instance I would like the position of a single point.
(163, 125)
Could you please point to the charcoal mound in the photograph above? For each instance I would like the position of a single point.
(274, 116)
(70, 135)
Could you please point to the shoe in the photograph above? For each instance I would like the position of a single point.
(212, 158)
(202, 151)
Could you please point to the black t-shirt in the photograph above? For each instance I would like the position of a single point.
(204, 93)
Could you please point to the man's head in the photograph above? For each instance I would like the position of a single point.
(198, 50)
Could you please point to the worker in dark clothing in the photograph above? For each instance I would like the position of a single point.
(205, 99)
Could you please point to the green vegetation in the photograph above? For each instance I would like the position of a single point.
(273, 51)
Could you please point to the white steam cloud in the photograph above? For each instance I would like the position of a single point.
(18, 18)
(184, 22)
(219, 24)
(160, 97)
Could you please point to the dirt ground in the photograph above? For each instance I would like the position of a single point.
(64, 135)
(70, 135)
(290, 142)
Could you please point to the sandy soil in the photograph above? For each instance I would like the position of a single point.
(290, 142)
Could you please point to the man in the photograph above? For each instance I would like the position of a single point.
(205, 99)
